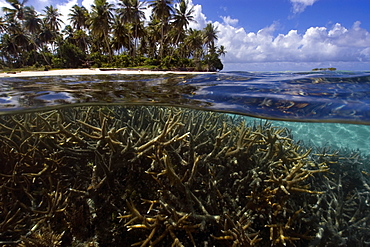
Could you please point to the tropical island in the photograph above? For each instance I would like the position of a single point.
(108, 36)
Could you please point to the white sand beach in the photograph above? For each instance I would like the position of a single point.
(94, 72)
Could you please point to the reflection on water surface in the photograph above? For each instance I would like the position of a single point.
(314, 97)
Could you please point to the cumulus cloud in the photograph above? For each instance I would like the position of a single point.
(316, 44)
(200, 20)
(65, 9)
(337, 44)
(3, 4)
(300, 5)
(229, 21)
(87, 4)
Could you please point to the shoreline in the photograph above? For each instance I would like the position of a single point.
(103, 71)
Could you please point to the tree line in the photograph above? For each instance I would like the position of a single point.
(108, 35)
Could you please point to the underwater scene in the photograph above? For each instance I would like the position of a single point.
(223, 159)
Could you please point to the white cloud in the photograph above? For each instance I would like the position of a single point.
(3, 4)
(147, 11)
(65, 9)
(300, 5)
(87, 4)
(200, 20)
(229, 21)
(317, 44)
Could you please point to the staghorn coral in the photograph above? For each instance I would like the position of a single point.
(43, 237)
(170, 176)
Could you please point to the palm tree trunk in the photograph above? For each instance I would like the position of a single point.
(135, 42)
(108, 46)
(176, 42)
(162, 38)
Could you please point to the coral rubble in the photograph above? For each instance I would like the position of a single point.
(163, 176)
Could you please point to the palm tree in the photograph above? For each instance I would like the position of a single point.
(9, 51)
(68, 33)
(221, 51)
(16, 13)
(210, 36)
(100, 22)
(194, 43)
(24, 32)
(32, 24)
(81, 39)
(3, 25)
(131, 12)
(32, 21)
(19, 41)
(53, 23)
(52, 19)
(121, 35)
(182, 18)
(162, 11)
(150, 40)
(46, 35)
(78, 17)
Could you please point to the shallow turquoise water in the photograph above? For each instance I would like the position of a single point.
(333, 135)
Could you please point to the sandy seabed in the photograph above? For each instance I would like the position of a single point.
(93, 72)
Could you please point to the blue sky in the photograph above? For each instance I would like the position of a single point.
(256, 14)
(262, 35)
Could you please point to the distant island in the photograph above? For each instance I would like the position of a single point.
(324, 69)
(108, 36)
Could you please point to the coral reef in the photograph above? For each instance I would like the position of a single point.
(164, 176)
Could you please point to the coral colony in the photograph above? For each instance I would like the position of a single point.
(158, 176)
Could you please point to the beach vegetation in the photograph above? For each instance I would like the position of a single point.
(325, 69)
(109, 35)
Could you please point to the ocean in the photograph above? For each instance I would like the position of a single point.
(219, 159)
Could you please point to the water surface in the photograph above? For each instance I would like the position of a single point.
(311, 96)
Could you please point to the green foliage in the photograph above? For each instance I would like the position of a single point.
(121, 61)
(213, 62)
(57, 62)
(185, 64)
(168, 62)
(324, 69)
(109, 35)
(31, 58)
(138, 60)
(151, 62)
(70, 56)
(98, 59)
